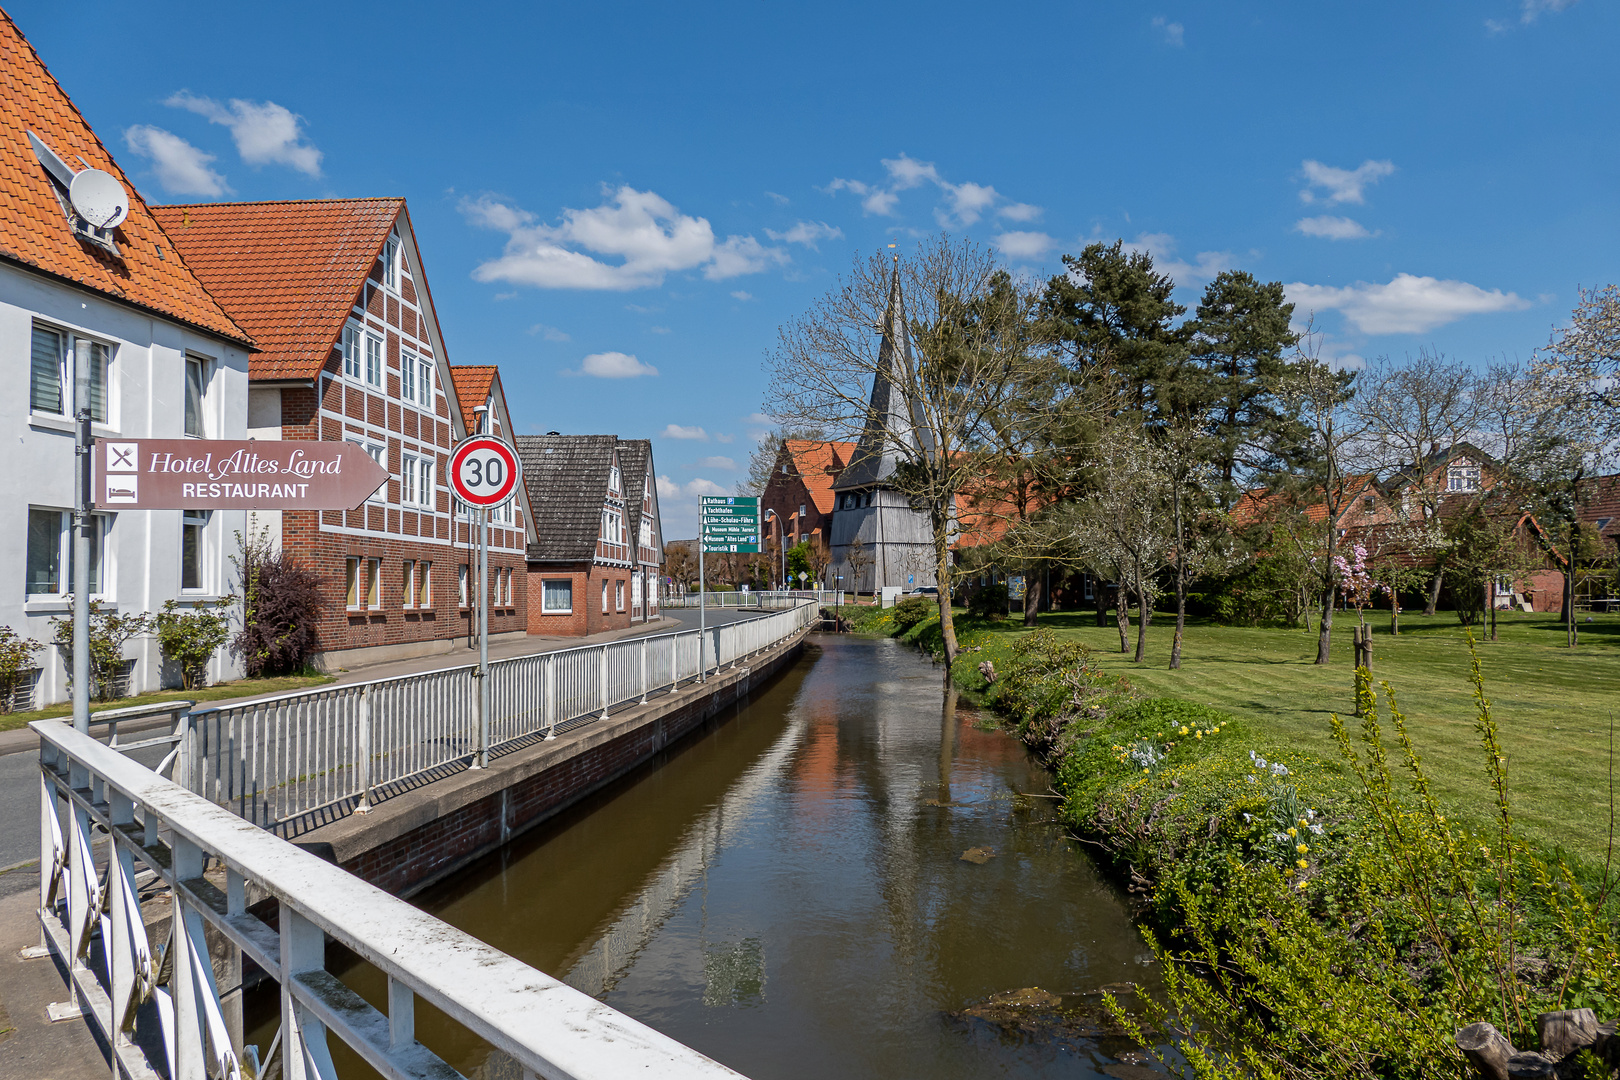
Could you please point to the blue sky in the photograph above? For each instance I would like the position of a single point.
(619, 205)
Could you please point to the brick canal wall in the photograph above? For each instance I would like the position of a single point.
(419, 837)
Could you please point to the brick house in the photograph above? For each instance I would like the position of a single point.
(163, 360)
(800, 496)
(352, 350)
(593, 564)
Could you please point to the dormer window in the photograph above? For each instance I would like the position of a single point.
(1368, 504)
(1462, 478)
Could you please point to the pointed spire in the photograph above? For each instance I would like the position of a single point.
(891, 417)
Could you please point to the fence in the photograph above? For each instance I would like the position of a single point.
(752, 599)
(300, 758)
(161, 1010)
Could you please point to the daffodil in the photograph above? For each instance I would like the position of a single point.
(1292, 832)
(1300, 884)
(1302, 848)
(1184, 729)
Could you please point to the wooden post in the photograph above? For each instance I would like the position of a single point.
(1486, 1049)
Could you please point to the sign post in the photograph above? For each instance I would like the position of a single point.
(730, 525)
(484, 471)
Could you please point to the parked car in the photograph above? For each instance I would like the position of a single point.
(924, 590)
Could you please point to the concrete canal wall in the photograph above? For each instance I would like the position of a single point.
(418, 837)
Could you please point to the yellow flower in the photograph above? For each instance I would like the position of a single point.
(1200, 734)
(1300, 884)
(1292, 831)
(1302, 864)
(1146, 769)
(1303, 848)
(1184, 729)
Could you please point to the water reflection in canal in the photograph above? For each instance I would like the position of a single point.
(787, 892)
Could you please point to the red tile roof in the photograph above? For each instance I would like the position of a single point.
(818, 464)
(34, 230)
(288, 272)
(472, 383)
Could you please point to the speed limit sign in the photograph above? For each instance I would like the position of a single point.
(484, 471)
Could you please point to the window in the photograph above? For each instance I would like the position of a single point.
(193, 534)
(557, 596)
(50, 372)
(461, 578)
(351, 583)
(613, 478)
(646, 531)
(378, 453)
(506, 587)
(390, 261)
(424, 383)
(407, 376)
(801, 510)
(1462, 478)
(424, 584)
(374, 360)
(363, 580)
(351, 351)
(196, 391)
(1368, 504)
(618, 595)
(605, 608)
(50, 550)
(502, 514)
(612, 526)
(373, 583)
(407, 589)
(416, 481)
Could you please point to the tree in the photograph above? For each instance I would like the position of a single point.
(1412, 414)
(1332, 434)
(798, 562)
(857, 558)
(969, 327)
(680, 564)
(1240, 336)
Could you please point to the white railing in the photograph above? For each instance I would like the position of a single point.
(175, 1008)
(753, 599)
(293, 761)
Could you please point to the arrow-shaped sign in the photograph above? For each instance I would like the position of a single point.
(227, 474)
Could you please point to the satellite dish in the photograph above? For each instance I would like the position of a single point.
(99, 198)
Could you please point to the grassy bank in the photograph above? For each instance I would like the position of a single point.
(218, 692)
(1554, 705)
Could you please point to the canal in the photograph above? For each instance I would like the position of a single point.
(837, 881)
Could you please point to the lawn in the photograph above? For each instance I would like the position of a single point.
(1554, 707)
(218, 692)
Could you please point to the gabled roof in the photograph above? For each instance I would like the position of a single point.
(34, 229)
(288, 272)
(472, 383)
(818, 464)
(635, 460)
(891, 417)
(567, 479)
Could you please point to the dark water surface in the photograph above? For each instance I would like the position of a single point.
(786, 892)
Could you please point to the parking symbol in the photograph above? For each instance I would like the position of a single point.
(123, 456)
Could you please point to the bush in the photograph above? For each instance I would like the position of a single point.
(281, 607)
(108, 632)
(1049, 684)
(912, 611)
(190, 638)
(16, 657)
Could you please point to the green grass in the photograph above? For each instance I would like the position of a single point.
(217, 692)
(1554, 706)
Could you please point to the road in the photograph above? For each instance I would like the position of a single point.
(19, 768)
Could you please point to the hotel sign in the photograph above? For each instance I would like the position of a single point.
(225, 474)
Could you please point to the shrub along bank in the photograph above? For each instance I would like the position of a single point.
(1318, 915)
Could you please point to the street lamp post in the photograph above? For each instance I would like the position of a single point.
(781, 543)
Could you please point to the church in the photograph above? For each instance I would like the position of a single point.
(878, 540)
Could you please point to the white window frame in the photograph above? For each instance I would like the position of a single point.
(461, 578)
(205, 377)
(425, 387)
(618, 595)
(378, 452)
(376, 359)
(198, 519)
(390, 261)
(615, 478)
(424, 583)
(416, 481)
(605, 609)
(1463, 478)
(69, 343)
(100, 564)
(407, 376)
(549, 588)
(351, 351)
(408, 585)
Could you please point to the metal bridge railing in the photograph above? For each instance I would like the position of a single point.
(751, 599)
(174, 1008)
(311, 755)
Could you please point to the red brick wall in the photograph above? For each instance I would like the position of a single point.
(587, 616)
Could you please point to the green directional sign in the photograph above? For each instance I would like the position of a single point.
(730, 523)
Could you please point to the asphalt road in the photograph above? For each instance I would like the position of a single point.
(19, 771)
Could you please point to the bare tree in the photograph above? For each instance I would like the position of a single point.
(969, 323)
(762, 462)
(1411, 414)
(857, 558)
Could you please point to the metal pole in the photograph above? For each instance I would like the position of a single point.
(703, 627)
(483, 638)
(83, 447)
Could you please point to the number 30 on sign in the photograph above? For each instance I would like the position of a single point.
(484, 471)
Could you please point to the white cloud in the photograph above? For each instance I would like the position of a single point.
(1019, 211)
(677, 431)
(671, 488)
(1174, 33)
(1329, 227)
(967, 202)
(1024, 245)
(1162, 246)
(725, 438)
(1406, 305)
(550, 333)
(716, 462)
(659, 330)
(779, 200)
(265, 133)
(807, 233)
(641, 229)
(907, 172)
(1529, 12)
(740, 294)
(613, 365)
(874, 200)
(181, 168)
(1342, 185)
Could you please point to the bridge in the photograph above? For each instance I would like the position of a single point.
(204, 842)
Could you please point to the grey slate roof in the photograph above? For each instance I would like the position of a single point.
(566, 477)
(891, 418)
(634, 457)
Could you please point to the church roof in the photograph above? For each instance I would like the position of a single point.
(892, 418)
